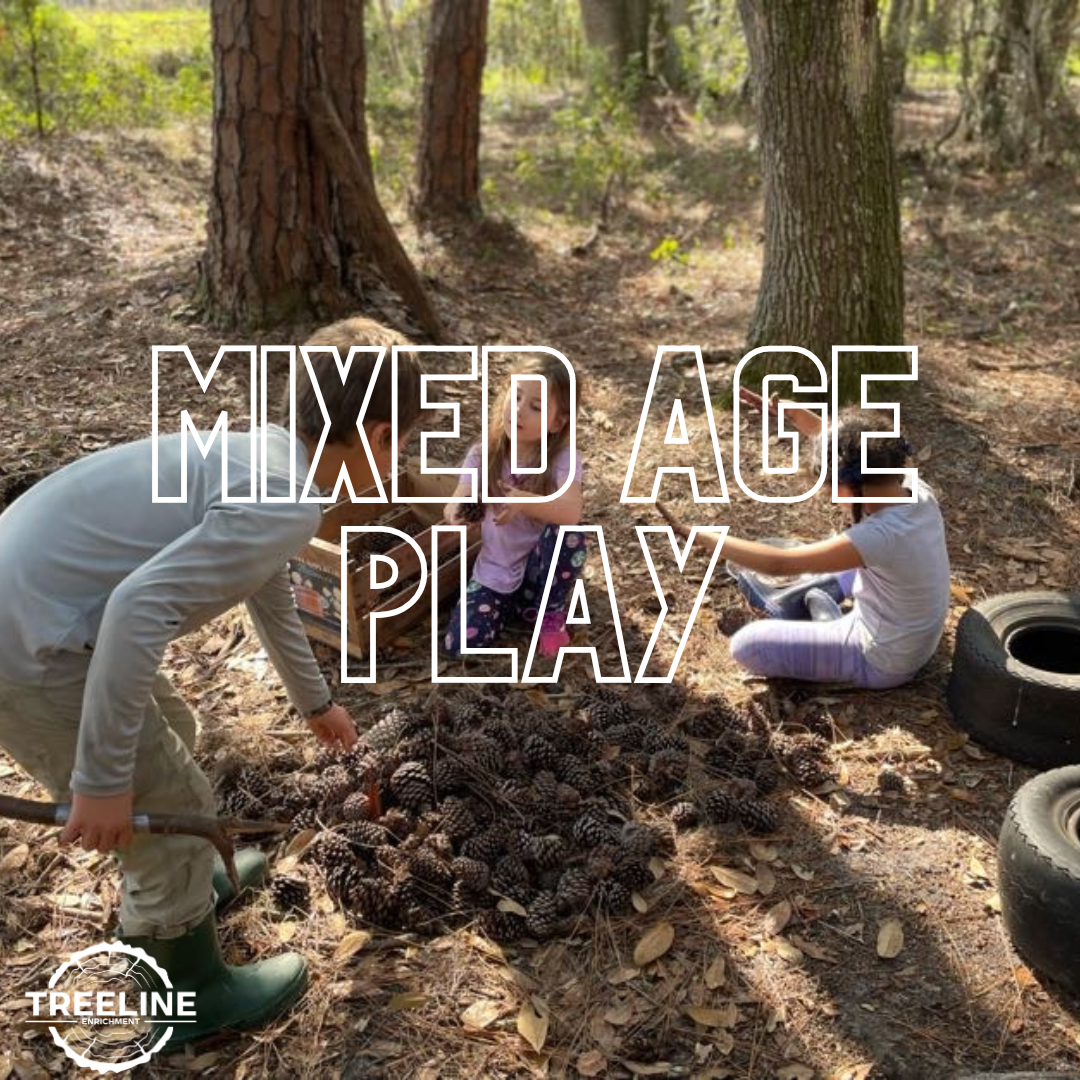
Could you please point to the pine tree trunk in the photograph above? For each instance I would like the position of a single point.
(449, 154)
(619, 28)
(833, 270)
(897, 39)
(1021, 105)
(289, 234)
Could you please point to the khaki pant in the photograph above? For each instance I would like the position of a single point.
(167, 879)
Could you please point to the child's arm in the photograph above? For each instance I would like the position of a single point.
(565, 510)
(452, 513)
(824, 557)
(810, 424)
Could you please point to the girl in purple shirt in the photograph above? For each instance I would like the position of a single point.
(519, 542)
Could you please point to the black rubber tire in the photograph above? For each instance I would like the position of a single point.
(1026, 713)
(1039, 875)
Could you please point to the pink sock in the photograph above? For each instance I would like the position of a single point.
(553, 634)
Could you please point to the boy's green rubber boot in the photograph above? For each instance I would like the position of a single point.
(226, 997)
(251, 869)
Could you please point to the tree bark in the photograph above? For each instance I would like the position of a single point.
(285, 238)
(833, 271)
(449, 153)
(897, 40)
(619, 28)
(1021, 104)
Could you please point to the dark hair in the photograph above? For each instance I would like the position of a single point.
(344, 400)
(890, 452)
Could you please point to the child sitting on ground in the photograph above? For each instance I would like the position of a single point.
(97, 579)
(892, 560)
(518, 541)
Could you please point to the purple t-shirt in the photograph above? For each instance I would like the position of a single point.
(505, 548)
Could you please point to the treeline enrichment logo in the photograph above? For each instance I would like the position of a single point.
(702, 467)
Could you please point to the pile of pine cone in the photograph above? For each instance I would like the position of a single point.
(488, 808)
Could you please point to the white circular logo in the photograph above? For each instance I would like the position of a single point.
(105, 990)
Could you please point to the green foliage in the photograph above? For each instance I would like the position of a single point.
(99, 70)
(669, 250)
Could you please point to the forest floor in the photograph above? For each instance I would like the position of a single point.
(98, 244)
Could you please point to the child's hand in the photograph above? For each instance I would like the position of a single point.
(452, 513)
(756, 401)
(507, 513)
(334, 728)
(103, 822)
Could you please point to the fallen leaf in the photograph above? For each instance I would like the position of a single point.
(776, 918)
(716, 974)
(721, 1018)
(639, 1068)
(813, 950)
(977, 870)
(657, 867)
(591, 1063)
(532, 1027)
(786, 951)
(994, 903)
(286, 931)
(623, 975)
(890, 939)
(351, 944)
(794, 1071)
(480, 1014)
(620, 1014)
(407, 1001)
(512, 907)
(1024, 978)
(204, 1061)
(299, 843)
(15, 859)
(641, 905)
(654, 944)
(734, 879)
(801, 872)
(764, 852)
(766, 879)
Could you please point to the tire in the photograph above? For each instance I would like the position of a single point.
(1015, 682)
(1039, 875)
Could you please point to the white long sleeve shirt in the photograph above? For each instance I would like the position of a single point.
(96, 579)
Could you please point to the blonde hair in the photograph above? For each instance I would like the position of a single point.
(558, 385)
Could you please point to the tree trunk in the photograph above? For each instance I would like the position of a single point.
(833, 271)
(1021, 104)
(449, 155)
(897, 39)
(672, 16)
(619, 28)
(287, 235)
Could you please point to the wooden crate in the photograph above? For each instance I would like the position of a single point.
(316, 571)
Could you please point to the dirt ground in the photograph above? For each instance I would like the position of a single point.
(98, 244)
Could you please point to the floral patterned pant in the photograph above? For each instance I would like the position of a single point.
(487, 611)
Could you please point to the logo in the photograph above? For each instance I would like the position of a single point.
(111, 1007)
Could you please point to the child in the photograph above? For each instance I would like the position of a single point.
(896, 564)
(97, 580)
(518, 541)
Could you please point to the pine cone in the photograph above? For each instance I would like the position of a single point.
(634, 874)
(472, 874)
(637, 841)
(720, 807)
(428, 868)
(486, 846)
(290, 893)
(466, 714)
(766, 777)
(684, 815)
(471, 512)
(480, 755)
(448, 777)
(667, 769)
(658, 739)
(411, 785)
(575, 890)
(546, 788)
(539, 753)
(613, 703)
(573, 772)
(303, 819)
(548, 851)
(377, 902)
(502, 927)
(457, 822)
(510, 872)
(341, 878)
(628, 736)
(396, 822)
(357, 807)
(889, 781)
(757, 816)
(567, 801)
(388, 732)
(332, 849)
(613, 896)
(542, 916)
(806, 766)
(335, 786)
(590, 830)
(364, 834)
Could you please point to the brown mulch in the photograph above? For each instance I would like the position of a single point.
(98, 240)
